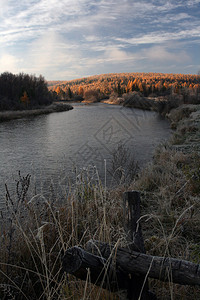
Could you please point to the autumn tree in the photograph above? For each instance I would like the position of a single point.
(91, 96)
(25, 99)
(154, 84)
(58, 90)
(81, 91)
(129, 86)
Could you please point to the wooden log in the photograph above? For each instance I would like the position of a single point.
(97, 270)
(138, 285)
(162, 268)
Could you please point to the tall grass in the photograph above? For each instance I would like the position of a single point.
(39, 230)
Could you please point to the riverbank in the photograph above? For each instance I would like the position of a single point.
(160, 104)
(133, 100)
(186, 121)
(170, 192)
(55, 107)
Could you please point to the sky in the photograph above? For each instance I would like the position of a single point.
(68, 39)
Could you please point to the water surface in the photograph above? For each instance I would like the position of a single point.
(49, 146)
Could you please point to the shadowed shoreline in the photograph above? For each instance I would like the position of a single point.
(18, 114)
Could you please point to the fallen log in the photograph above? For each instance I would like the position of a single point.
(162, 268)
(97, 270)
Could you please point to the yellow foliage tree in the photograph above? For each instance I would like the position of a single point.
(80, 91)
(58, 90)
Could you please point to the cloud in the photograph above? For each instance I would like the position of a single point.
(9, 63)
(91, 38)
(116, 55)
(160, 37)
(50, 55)
(161, 54)
(30, 19)
(4, 8)
(169, 18)
(193, 2)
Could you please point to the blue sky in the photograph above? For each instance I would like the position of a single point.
(67, 39)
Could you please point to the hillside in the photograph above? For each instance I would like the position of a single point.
(103, 86)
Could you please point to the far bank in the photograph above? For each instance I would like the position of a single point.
(55, 107)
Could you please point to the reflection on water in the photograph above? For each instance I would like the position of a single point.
(49, 146)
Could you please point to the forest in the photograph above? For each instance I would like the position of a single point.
(104, 86)
(23, 91)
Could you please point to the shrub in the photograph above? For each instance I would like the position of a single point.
(91, 96)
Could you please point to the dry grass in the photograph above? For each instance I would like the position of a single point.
(170, 188)
(39, 231)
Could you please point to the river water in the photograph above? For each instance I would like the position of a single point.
(49, 146)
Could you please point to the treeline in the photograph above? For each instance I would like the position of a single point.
(148, 84)
(23, 91)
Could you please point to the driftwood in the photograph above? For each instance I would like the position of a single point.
(96, 269)
(162, 268)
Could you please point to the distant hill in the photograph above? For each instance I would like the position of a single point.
(149, 84)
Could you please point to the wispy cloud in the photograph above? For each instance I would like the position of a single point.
(193, 2)
(160, 37)
(162, 54)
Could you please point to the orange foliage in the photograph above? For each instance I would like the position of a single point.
(25, 99)
(146, 83)
(58, 90)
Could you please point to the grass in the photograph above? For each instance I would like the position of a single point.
(39, 231)
(39, 228)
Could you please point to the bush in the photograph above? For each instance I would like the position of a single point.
(123, 167)
(91, 96)
(136, 100)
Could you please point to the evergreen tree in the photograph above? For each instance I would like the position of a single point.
(69, 93)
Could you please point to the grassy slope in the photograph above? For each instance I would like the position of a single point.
(170, 188)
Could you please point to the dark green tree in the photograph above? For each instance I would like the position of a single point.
(69, 93)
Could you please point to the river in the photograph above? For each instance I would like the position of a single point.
(48, 147)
